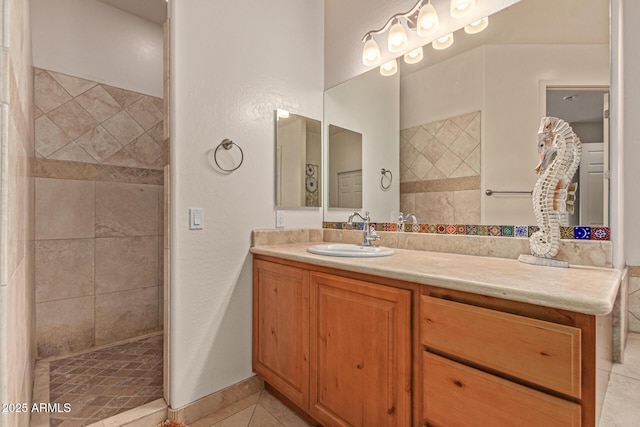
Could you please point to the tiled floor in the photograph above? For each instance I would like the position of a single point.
(102, 383)
(622, 402)
(621, 406)
(259, 410)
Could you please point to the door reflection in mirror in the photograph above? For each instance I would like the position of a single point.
(345, 168)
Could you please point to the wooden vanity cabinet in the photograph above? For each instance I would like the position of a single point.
(338, 348)
(351, 349)
(493, 362)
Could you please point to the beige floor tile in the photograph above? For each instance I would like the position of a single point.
(280, 412)
(621, 407)
(240, 419)
(262, 418)
(228, 411)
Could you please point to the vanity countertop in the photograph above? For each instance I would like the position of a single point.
(588, 290)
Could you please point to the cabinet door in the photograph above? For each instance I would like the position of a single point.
(281, 329)
(360, 353)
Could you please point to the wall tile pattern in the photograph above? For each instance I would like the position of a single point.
(84, 121)
(440, 170)
(98, 213)
(17, 311)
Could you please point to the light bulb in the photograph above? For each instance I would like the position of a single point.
(428, 22)
(397, 38)
(460, 8)
(443, 42)
(389, 68)
(414, 56)
(476, 27)
(370, 53)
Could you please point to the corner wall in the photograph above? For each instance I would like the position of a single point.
(232, 65)
(17, 352)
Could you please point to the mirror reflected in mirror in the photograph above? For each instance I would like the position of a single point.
(298, 161)
(469, 114)
(345, 168)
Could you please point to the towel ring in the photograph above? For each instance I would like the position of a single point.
(227, 144)
(384, 173)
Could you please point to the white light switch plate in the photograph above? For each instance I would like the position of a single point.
(196, 219)
(279, 219)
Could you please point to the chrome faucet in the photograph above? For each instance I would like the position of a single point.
(406, 218)
(369, 231)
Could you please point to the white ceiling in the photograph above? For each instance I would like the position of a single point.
(531, 22)
(151, 10)
(582, 105)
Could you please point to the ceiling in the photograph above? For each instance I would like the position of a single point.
(576, 105)
(531, 22)
(151, 10)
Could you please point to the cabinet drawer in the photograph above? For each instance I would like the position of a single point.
(539, 352)
(457, 395)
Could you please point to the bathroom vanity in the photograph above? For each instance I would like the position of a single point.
(424, 338)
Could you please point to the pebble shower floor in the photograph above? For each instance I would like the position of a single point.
(106, 382)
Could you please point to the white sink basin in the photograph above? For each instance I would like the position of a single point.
(347, 250)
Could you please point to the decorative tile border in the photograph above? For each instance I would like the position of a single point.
(567, 233)
(63, 169)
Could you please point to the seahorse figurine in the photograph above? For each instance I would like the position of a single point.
(554, 194)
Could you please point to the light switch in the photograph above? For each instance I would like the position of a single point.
(196, 217)
(279, 219)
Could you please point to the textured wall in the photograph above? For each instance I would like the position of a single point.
(16, 208)
(229, 90)
(98, 213)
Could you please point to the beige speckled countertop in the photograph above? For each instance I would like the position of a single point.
(588, 290)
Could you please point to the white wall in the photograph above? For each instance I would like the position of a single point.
(444, 90)
(630, 100)
(232, 65)
(95, 41)
(370, 105)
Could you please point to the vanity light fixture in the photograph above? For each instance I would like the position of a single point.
(477, 26)
(414, 56)
(422, 18)
(371, 52)
(460, 8)
(397, 37)
(389, 68)
(428, 22)
(443, 42)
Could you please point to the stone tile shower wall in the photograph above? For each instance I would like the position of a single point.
(17, 332)
(440, 170)
(98, 213)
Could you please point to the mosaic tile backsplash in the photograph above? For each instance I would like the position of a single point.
(569, 233)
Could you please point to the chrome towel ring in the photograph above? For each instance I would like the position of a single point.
(384, 173)
(227, 144)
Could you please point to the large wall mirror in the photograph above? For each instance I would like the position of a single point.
(468, 116)
(298, 161)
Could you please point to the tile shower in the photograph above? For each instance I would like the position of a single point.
(440, 170)
(98, 214)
